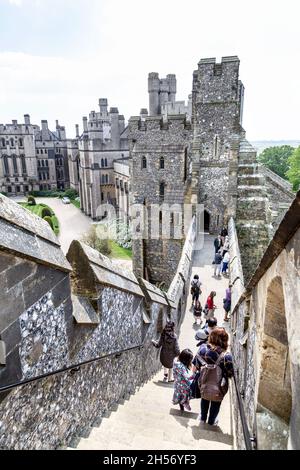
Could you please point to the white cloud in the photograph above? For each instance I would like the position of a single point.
(18, 3)
(128, 39)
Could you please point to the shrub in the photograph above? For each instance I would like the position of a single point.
(49, 220)
(91, 238)
(46, 212)
(31, 201)
(71, 193)
(55, 224)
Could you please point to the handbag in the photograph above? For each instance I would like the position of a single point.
(194, 387)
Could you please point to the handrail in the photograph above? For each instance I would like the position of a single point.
(247, 438)
(73, 367)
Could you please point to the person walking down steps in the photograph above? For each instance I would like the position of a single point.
(184, 377)
(169, 349)
(197, 311)
(215, 366)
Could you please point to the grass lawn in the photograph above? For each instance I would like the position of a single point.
(37, 209)
(118, 252)
(75, 203)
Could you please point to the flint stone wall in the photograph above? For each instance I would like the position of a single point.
(265, 342)
(46, 327)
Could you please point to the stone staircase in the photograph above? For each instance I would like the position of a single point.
(149, 421)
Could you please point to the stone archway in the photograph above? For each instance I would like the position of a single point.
(274, 391)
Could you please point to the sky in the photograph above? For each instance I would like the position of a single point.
(58, 57)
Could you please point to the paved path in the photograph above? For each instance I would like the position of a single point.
(149, 420)
(73, 223)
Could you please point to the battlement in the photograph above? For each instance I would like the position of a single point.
(213, 60)
(150, 123)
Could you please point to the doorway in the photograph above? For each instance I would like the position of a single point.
(206, 221)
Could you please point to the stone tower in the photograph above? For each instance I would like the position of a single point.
(160, 165)
(217, 119)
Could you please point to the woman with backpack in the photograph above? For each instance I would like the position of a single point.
(215, 365)
(183, 376)
(169, 349)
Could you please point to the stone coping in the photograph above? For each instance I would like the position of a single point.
(153, 293)
(18, 215)
(106, 272)
(28, 236)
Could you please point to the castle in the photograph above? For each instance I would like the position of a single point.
(33, 158)
(68, 353)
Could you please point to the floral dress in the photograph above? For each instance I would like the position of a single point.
(183, 378)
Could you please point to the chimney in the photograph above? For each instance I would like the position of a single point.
(144, 113)
(15, 122)
(27, 119)
(44, 125)
(115, 131)
(77, 131)
(57, 125)
(85, 124)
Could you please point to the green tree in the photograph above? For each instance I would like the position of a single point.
(293, 173)
(276, 159)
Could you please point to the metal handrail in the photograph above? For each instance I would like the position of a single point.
(74, 368)
(249, 441)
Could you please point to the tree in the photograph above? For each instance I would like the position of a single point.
(293, 173)
(92, 239)
(276, 159)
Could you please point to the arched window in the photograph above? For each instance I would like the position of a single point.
(43, 163)
(12, 144)
(14, 159)
(103, 179)
(102, 162)
(47, 164)
(5, 165)
(3, 142)
(162, 163)
(162, 190)
(106, 162)
(21, 142)
(23, 164)
(144, 162)
(106, 178)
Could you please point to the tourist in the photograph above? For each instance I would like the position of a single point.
(225, 248)
(195, 289)
(203, 334)
(197, 312)
(183, 376)
(224, 234)
(225, 263)
(227, 302)
(213, 381)
(211, 307)
(218, 264)
(218, 243)
(169, 349)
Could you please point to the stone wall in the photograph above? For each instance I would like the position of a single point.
(151, 142)
(60, 320)
(266, 336)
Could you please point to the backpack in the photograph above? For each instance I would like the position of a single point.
(213, 386)
(195, 289)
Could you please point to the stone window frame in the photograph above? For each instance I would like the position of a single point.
(162, 163)
(144, 162)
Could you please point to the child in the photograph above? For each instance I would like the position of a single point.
(183, 377)
(197, 312)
